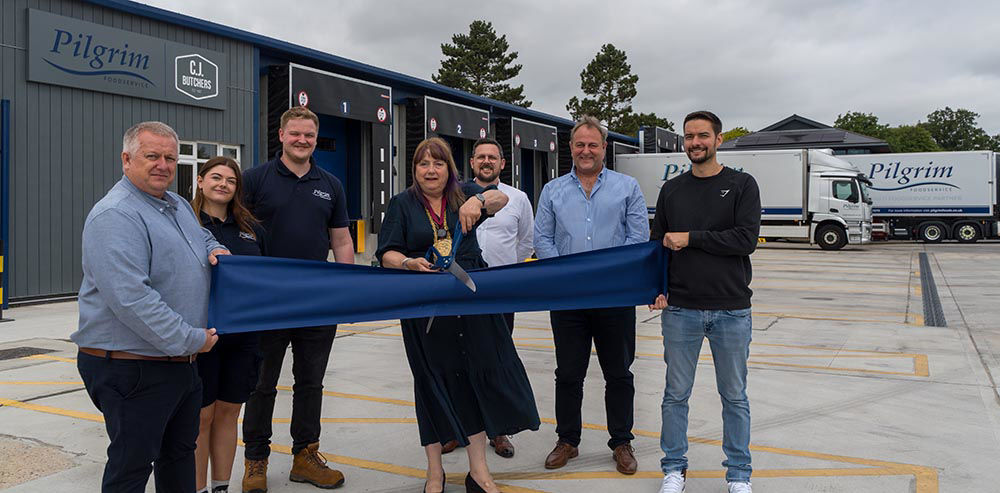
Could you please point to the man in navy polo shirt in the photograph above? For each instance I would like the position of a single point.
(304, 213)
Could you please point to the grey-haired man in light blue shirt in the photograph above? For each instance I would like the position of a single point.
(592, 208)
(143, 316)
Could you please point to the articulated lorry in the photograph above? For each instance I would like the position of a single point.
(805, 194)
(933, 196)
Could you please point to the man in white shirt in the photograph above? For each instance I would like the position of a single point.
(507, 237)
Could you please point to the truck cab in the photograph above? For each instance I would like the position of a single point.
(840, 206)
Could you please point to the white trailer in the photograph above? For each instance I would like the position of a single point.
(806, 194)
(933, 196)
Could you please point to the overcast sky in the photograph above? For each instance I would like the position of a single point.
(752, 62)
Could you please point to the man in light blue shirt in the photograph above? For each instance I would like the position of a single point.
(587, 209)
(143, 310)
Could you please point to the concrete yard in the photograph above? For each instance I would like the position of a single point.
(850, 391)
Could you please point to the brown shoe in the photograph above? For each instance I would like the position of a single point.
(309, 466)
(624, 457)
(449, 447)
(560, 455)
(255, 476)
(502, 446)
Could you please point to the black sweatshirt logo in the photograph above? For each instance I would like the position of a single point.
(723, 193)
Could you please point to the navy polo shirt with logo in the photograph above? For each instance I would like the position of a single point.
(228, 233)
(297, 213)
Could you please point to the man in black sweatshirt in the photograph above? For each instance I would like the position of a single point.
(710, 218)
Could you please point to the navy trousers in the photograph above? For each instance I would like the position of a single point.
(612, 333)
(151, 411)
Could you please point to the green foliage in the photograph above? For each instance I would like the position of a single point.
(910, 138)
(861, 123)
(958, 130)
(479, 63)
(631, 123)
(609, 86)
(734, 133)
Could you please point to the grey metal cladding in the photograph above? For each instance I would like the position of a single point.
(66, 142)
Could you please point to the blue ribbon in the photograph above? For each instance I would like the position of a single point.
(263, 293)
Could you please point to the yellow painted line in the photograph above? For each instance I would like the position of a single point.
(926, 477)
(396, 469)
(359, 397)
(52, 410)
(368, 333)
(356, 420)
(50, 358)
(41, 383)
(817, 317)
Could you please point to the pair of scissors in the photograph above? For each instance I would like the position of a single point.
(447, 263)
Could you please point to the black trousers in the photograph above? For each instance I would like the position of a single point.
(151, 411)
(310, 352)
(612, 331)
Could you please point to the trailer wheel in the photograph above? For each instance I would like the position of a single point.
(932, 232)
(967, 233)
(831, 237)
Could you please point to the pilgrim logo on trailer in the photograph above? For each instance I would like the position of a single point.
(196, 76)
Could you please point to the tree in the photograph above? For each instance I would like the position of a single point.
(734, 133)
(479, 63)
(861, 123)
(910, 138)
(957, 130)
(633, 121)
(609, 86)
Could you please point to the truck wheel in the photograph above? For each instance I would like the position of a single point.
(932, 232)
(967, 233)
(831, 237)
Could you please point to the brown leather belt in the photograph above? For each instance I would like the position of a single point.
(101, 353)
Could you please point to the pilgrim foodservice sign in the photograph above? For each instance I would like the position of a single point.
(69, 52)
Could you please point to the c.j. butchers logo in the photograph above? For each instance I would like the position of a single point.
(101, 59)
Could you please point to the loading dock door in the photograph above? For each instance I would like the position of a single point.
(367, 107)
(457, 124)
(534, 156)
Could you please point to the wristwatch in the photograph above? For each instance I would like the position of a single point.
(482, 198)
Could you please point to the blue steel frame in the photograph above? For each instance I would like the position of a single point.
(303, 55)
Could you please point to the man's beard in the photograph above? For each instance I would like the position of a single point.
(708, 154)
(481, 176)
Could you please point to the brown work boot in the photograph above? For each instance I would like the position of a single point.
(255, 476)
(624, 456)
(560, 455)
(309, 466)
(502, 446)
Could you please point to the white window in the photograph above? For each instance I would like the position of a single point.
(192, 156)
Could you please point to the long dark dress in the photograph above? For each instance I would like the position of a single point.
(467, 377)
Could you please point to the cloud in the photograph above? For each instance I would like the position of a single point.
(754, 63)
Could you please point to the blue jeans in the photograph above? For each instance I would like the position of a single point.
(728, 333)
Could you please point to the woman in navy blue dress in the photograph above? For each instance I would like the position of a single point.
(229, 371)
(468, 379)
